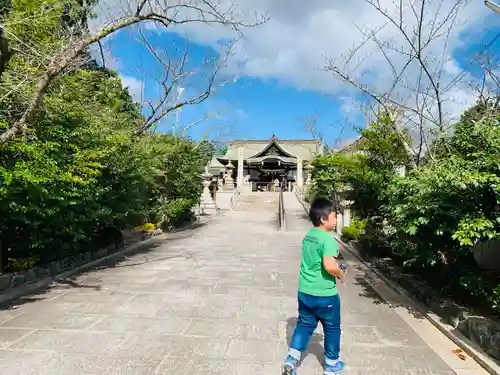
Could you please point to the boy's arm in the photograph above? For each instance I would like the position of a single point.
(330, 264)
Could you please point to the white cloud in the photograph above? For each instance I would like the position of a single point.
(293, 45)
(241, 114)
(135, 87)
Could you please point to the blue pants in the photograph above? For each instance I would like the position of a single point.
(311, 311)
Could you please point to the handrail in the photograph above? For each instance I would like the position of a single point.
(302, 201)
(234, 199)
(281, 211)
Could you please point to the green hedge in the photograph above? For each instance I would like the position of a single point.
(354, 231)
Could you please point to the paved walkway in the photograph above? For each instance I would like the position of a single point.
(219, 299)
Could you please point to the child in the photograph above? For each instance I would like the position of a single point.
(318, 296)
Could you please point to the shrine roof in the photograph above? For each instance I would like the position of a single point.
(215, 166)
(284, 159)
(306, 149)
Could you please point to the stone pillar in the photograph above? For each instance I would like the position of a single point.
(347, 216)
(239, 179)
(401, 171)
(229, 183)
(340, 223)
(300, 175)
(207, 204)
(309, 179)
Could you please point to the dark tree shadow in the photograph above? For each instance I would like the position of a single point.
(35, 292)
(75, 285)
(367, 284)
(368, 292)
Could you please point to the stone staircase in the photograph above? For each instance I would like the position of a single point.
(258, 201)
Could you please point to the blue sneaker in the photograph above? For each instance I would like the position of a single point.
(289, 366)
(334, 367)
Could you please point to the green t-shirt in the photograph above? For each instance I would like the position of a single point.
(314, 280)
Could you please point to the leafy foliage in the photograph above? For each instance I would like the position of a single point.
(221, 151)
(354, 231)
(80, 174)
(439, 212)
(207, 150)
(330, 174)
(364, 175)
(82, 170)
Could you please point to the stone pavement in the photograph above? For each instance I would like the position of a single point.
(219, 299)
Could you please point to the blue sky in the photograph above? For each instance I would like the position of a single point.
(252, 108)
(257, 106)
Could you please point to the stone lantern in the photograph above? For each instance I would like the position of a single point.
(229, 184)
(309, 179)
(207, 204)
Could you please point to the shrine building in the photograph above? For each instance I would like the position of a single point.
(259, 165)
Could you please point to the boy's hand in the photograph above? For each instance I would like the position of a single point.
(333, 268)
(342, 277)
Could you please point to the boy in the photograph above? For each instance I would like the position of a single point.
(318, 296)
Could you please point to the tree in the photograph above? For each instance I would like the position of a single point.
(417, 90)
(429, 220)
(221, 151)
(63, 192)
(49, 60)
(377, 156)
(438, 213)
(207, 150)
(52, 187)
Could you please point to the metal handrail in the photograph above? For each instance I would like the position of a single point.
(301, 197)
(281, 211)
(234, 199)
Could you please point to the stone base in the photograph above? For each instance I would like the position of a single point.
(208, 210)
(246, 188)
(208, 206)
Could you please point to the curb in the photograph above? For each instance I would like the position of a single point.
(43, 283)
(29, 289)
(460, 340)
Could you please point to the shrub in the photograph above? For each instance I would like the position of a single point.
(146, 227)
(354, 231)
(22, 264)
(173, 213)
(350, 233)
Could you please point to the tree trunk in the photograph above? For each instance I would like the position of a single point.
(59, 63)
(5, 51)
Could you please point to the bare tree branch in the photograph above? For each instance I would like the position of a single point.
(200, 120)
(176, 74)
(416, 99)
(166, 16)
(101, 50)
(417, 47)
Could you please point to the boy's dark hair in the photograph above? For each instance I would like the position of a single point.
(320, 209)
